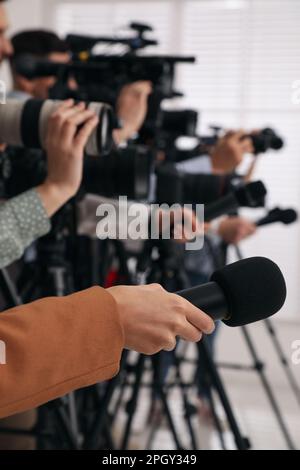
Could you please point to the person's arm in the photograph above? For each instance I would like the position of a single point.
(23, 219)
(57, 345)
(26, 218)
(235, 229)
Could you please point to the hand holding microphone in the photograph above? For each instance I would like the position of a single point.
(244, 292)
(285, 216)
(235, 229)
(241, 293)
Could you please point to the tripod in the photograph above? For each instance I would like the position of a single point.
(259, 367)
(167, 271)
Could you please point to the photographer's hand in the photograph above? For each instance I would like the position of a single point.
(235, 229)
(68, 132)
(229, 151)
(182, 223)
(152, 318)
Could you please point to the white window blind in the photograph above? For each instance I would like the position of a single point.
(109, 17)
(248, 56)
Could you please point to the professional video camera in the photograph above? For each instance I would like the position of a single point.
(172, 126)
(183, 123)
(263, 140)
(101, 77)
(175, 186)
(81, 44)
(125, 172)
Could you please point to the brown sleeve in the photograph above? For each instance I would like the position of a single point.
(56, 345)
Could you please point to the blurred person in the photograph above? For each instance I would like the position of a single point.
(42, 365)
(43, 45)
(132, 103)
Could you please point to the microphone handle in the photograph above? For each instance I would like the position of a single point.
(208, 297)
(223, 206)
(268, 219)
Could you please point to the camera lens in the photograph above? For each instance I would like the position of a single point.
(25, 124)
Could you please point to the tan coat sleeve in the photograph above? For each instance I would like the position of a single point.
(56, 345)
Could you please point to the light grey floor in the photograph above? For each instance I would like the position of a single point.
(248, 398)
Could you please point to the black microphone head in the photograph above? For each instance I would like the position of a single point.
(289, 216)
(251, 195)
(254, 289)
(277, 143)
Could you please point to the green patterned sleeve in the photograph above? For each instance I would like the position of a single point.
(23, 219)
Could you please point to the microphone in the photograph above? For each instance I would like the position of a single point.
(250, 195)
(285, 216)
(244, 292)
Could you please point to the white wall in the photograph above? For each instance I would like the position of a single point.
(25, 14)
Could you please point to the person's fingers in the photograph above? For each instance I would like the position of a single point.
(170, 344)
(67, 113)
(189, 332)
(201, 320)
(78, 118)
(238, 135)
(71, 125)
(58, 118)
(65, 105)
(54, 121)
(84, 133)
(229, 133)
(155, 286)
(244, 230)
(247, 145)
(187, 226)
(66, 108)
(197, 318)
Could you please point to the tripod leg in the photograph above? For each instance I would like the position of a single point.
(160, 392)
(132, 404)
(216, 419)
(189, 411)
(242, 443)
(169, 418)
(259, 367)
(72, 409)
(92, 440)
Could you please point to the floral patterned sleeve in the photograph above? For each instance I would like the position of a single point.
(23, 219)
